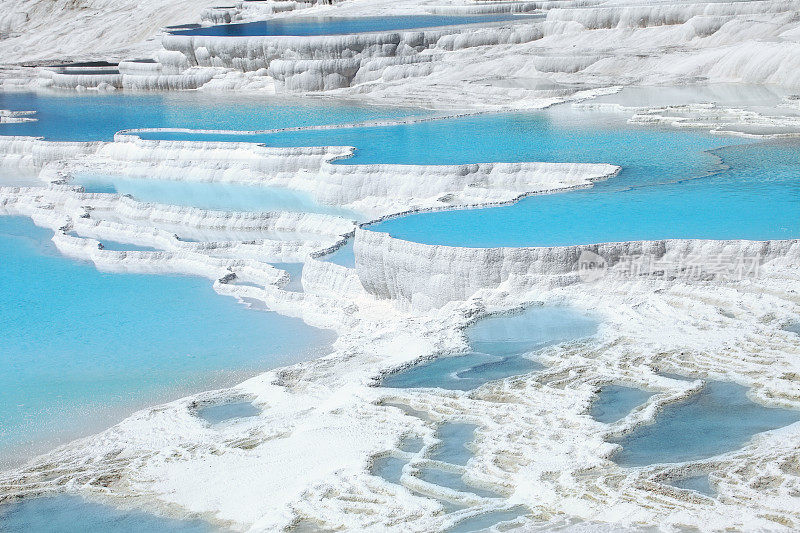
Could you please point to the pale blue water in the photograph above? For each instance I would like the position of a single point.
(653, 197)
(411, 444)
(216, 414)
(72, 514)
(717, 420)
(452, 448)
(388, 467)
(91, 116)
(125, 247)
(220, 196)
(699, 484)
(794, 328)
(306, 26)
(342, 256)
(500, 345)
(82, 348)
(671, 185)
(295, 271)
(454, 437)
(483, 521)
(615, 402)
(755, 199)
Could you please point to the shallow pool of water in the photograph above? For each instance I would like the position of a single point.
(654, 197)
(484, 521)
(614, 402)
(719, 419)
(306, 26)
(72, 514)
(342, 256)
(699, 484)
(219, 196)
(295, 271)
(452, 448)
(224, 412)
(81, 348)
(388, 467)
(101, 115)
(501, 344)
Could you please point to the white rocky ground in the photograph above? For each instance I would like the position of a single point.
(304, 461)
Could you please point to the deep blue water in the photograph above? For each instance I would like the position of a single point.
(306, 26)
(500, 345)
(81, 348)
(92, 116)
(717, 420)
(615, 402)
(72, 514)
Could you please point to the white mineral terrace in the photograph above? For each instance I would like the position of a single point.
(305, 459)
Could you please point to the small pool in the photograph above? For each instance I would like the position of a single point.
(719, 419)
(308, 26)
(500, 345)
(699, 484)
(615, 402)
(224, 412)
(72, 514)
(210, 195)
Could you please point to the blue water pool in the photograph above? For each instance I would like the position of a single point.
(452, 448)
(652, 198)
(500, 345)
(221, 196)
(674, 183)
(305, 26)
(484, 521)
(388, 467)
(72, 514)
(92, 116)
(719, 419)
(699, 484)
(342, 256)
(295, 271)
(615, 402)
(82, 348)
(125, 247)
(216, 414)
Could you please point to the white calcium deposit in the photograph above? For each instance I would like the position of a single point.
(305, 460)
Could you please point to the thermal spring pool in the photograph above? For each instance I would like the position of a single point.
(501, 348)
(82, 348)
(675, 184)
(718, 419)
